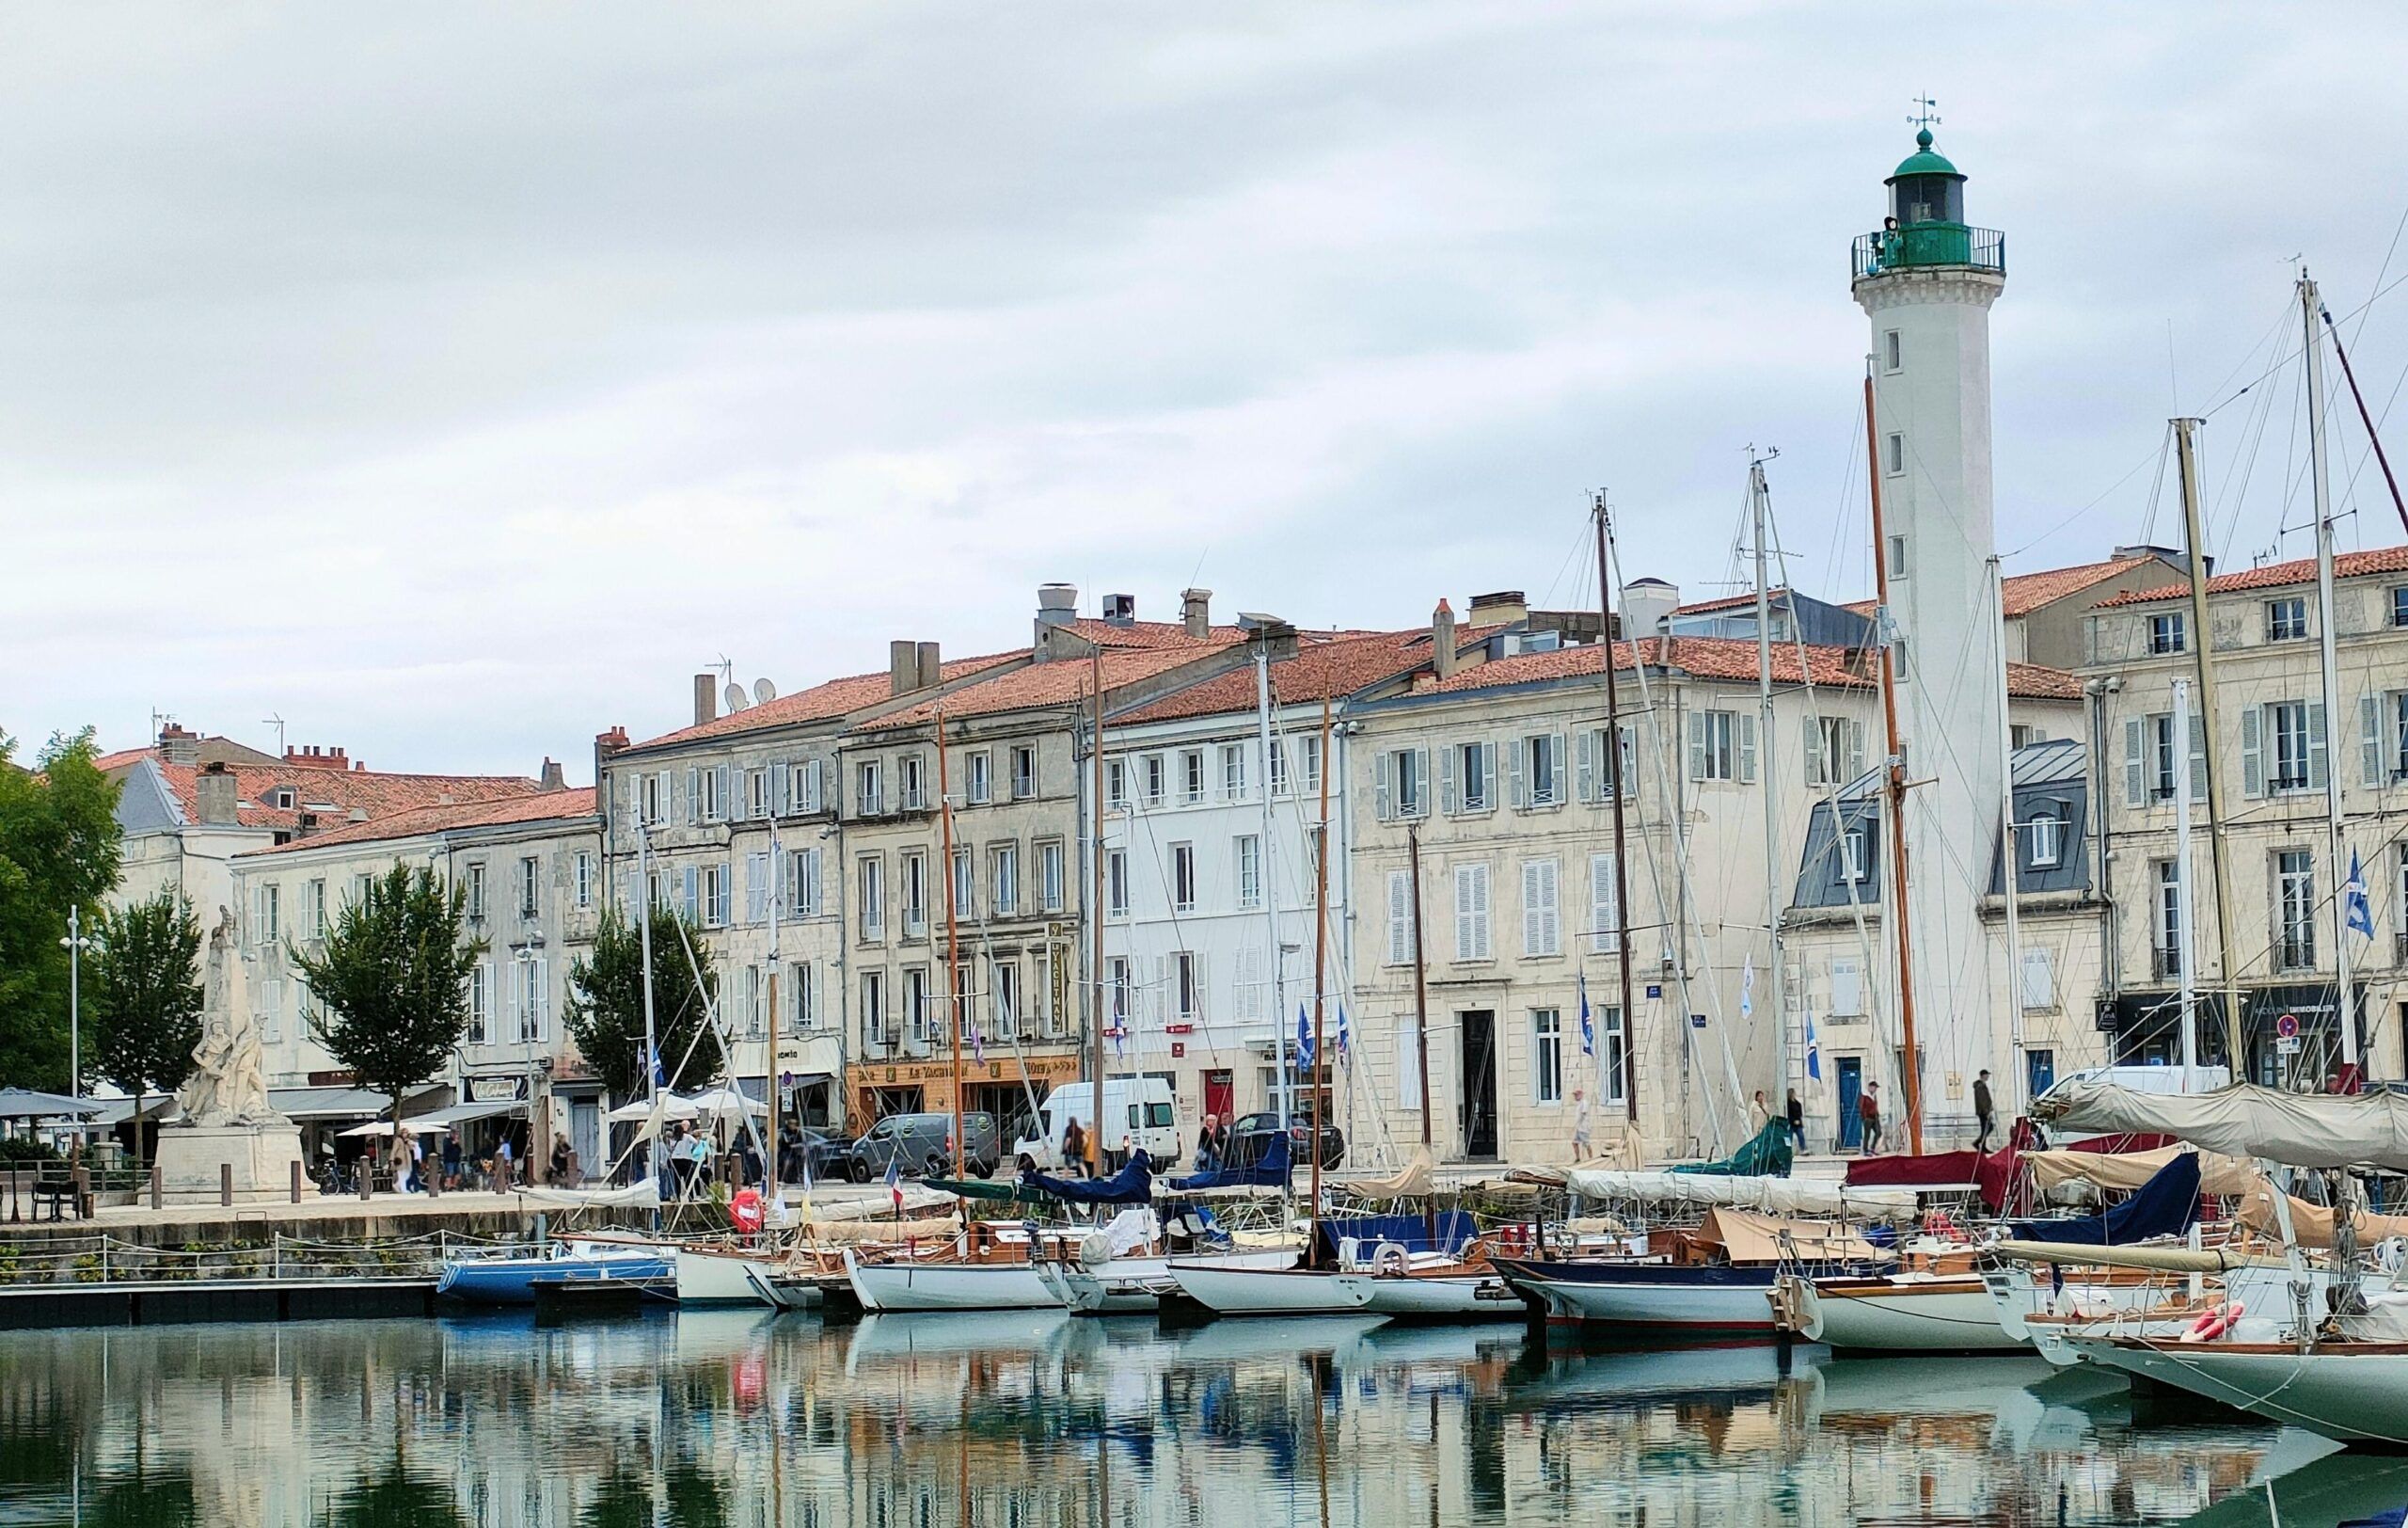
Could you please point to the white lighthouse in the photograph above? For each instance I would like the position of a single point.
(1927, 280)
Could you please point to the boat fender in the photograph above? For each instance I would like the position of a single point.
(2218, 1320)
(2388, 1253)
(1349, 1253)
(1390, 1258)
(745, 1210)
(1938, 1223)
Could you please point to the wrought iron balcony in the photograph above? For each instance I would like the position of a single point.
(1924, 245)
(2165, 963)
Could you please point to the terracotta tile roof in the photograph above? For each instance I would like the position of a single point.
(2027, 592)
(124, 759)
(1145, 634)
(1704, 607)
(2350, 565)
(1060, 682)
(822, 702)
(542, 805)
(375, 791)
(1322, 670)
(1732, 659)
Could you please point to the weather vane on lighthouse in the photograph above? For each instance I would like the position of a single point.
(1925, 117)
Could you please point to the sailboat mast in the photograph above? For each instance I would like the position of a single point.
(953, 1004)
(2184, 939)
(2203, 658)
(1421, 981)
(1611, 768)
(643, 938)
(777, 891)
(2010, 858)
(1095, 919)
(2328, 668)
(1320, 955)
(1270, 882)
(1910, 1065)
(1759, 495)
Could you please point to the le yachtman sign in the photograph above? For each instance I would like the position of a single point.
(1004, 1069)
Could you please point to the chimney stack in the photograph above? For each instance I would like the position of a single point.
(903, 665)
(216, 794)
(315, 758)
(1120, 610)
(706, 698)
(1442, 640)
(1646, 604)
(1195, 612)
(179, 744)
(930, 666)
(553, 779)
(1504, 608)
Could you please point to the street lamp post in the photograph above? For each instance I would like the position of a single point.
(75, 944)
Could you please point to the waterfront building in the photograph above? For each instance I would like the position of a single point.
(2274, 752)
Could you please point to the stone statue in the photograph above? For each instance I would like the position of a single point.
(228, 1085)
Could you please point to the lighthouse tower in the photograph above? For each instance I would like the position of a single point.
(1927, 280)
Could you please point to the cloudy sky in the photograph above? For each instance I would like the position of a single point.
(455, 382)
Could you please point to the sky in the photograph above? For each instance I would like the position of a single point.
(454, 382)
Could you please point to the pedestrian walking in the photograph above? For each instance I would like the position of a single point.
(560, 1154)
(1797, 1122)
(452, 1168)
(1985, 1112)
(1868, 1111)
(1074, 1147)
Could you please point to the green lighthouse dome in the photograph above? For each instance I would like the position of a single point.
(1923, 161)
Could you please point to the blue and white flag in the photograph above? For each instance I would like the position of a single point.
(2356, 912)
(1747, 988)
(1814, 1056)
(1588, 1026)
(1303, 1039)
(1345, 1040)
(660, 1074)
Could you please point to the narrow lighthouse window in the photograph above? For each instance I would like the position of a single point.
(1891, 350)
(1894, 455)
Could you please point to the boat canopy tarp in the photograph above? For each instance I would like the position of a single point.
(2155, 1259)
(868, 1233)
(1269, 1170)
(991, 1193)
(1749, 1237)
(1765, 1155)
(2312, 1225)
(1411, 1181)
(1449, 1232)
(643, 1194)
(1780, 1196)
(2218, 1173)
(2165, 1206)
(1132, 1185)
(1914, 1171)
(2301, 1130)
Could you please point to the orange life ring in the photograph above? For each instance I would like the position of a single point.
(2217, 1320)
(745, 1210)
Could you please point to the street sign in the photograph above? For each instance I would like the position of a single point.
(2287, 1028)
(1655, 989)
(1696, 1021)
(2286, 1044)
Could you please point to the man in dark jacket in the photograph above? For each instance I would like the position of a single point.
(1985, 1112)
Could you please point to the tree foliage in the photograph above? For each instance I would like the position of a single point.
(392, 981)
(58, 848)
(605, 1009)
(142, 989)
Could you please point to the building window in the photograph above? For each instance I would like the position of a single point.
(2288, 721)
(476, 892)
(2048, 832)
(1023, 773)
(1611, 1042)
(650, 789)
(1187, 986)
(978, 785)
(802, 882)
(1116, 883)
(1182, 877)
(1191, 776)
(803, 785)
(534, 999)
(915, 1003)
(2163, 760)
(1897, 554)
(2166, 926)
(481, 1004)
(1475, 775)
(1007, 1004)
(1893, 351)
(1893, 460)
(1115, 783)
(873, 898)
(709, 784)
(715, 895)
(2399, 605)
(1471, 912)
(757, 793)
(1115, 987)
(1155, 778)
(2287, 619)
(1541, 917)
(530, 887)
(1544, 754)
(873, 1006)
(869, 790)
(965, 884)
(914, 865)
(1714, 745)
(1834, 750)
(1408, 771)
(1306, 775)
(1604, 916)
(1048, 876)
(1248, 854)
(911, 782)
(2295, 910)
(1233, 772)
(1006, 869)
(1546, 1055)
(1854, 853)
(313, 908)
(803, 995)
(583, 878)
(2169, 633)
(2399, 739)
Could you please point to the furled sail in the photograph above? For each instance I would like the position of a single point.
(2301, 1130)
(1778, 1196)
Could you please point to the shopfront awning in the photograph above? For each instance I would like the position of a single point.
(306, 1104)
(466, 1114)
(157, 1108)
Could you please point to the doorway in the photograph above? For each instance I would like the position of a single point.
(1476, 1103)
(585, 1134)
(1221, 1094)
(1851, 1136)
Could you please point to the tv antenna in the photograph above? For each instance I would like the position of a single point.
(277, 722)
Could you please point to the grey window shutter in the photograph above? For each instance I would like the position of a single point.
(1421, 777)
(1517, 770)
(2253, 752)
(1382, 784)
(692, 894)
(1448, 801)
(2370, 741)
(1746, 748)
(1584, 777)
(1488, 772)
(2316, 761)
(2135, 771)
(1815, 750)
(1855, 748)
(1562, 757)
(725, 808)
(1697, 745)
(781, 776)
(2198, 757)
(693, 794)
(1627, 765)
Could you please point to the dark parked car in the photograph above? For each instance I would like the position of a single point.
(924, 1145)
(830, 1156)
(1249, 1131)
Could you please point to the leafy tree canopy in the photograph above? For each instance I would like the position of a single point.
(142, 993)
(605, 1008)
(58, 848)
(391, 981)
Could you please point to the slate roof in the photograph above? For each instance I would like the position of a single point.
(543, 805)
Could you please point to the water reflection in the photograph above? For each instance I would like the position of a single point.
(923, 1421)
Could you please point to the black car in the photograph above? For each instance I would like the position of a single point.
(1249, 1131)
(827, 1155)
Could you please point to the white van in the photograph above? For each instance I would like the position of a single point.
(1138, 1112)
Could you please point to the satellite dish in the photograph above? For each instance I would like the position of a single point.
(734, 697)
(764, 691)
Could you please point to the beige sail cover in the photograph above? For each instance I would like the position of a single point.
(1411, 1181)
(2218, 1173)
(1749, 1237)
(2301, 1130)
(868, 1233)
(1778, 1196)
(2312, 1225)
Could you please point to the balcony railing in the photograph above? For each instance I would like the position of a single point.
(1920, 246)
(2295, 952)
(2165, 963)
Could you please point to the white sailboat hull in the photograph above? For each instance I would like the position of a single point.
(1232, 1291)
(2353, 1397)
(782, 1290)
(718, 1278)
(1440, 1297)
(1134, 1285)
(897, 1287)
(1952, 1314)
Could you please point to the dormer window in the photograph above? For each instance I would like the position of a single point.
(2048, 831)
(284, 798)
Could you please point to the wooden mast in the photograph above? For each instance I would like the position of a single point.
(1911, 1067)
(2203, 658)
(953, 1004)
(1095, 919)
(1610, 767)
(1321, 952)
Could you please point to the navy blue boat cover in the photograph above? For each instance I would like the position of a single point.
(1454, 1229)
(1269, 1170)
(2164, 1206)
(1131, 1184)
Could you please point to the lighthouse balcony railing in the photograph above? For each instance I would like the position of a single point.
(1924, 245)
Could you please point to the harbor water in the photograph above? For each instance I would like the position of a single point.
(1034, 1421)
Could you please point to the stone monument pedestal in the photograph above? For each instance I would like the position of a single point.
(191, 1157)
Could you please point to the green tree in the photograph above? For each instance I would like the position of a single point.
(605, 1008)
(142, 989)
(58, 848)
(392, 983)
